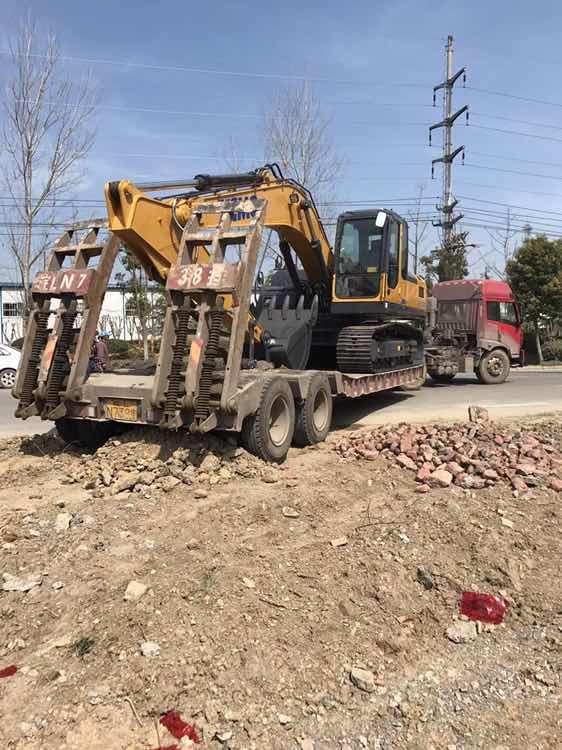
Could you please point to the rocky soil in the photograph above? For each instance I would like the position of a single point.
(312, 605)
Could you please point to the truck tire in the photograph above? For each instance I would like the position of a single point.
(493, 367)
(86, 432)
(314, 413)
(269, 432)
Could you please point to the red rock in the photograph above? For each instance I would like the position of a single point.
(472, 482)
(478, 414)
(556, 485)
(455, 468)
(423, 488)
(425, 471)
(519, 484)
(406, 443)
(440, 478)
(490, 474)
(369, 455)
(406, 462)
(525, 469)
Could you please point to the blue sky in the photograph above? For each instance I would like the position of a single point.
(372, 65)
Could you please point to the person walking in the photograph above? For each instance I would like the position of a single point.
(102, 356)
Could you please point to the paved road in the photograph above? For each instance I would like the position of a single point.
(525, 393)
(9, 425)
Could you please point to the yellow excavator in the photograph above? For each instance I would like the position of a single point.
(256, 350)
(354, 291)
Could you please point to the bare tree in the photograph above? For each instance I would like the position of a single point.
(420, 228)
(47, 133)
(296, 135)
(503, 241)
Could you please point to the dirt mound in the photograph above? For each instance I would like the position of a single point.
(312, 605)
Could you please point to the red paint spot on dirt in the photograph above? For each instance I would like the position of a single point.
(483, 607)
(178, 727)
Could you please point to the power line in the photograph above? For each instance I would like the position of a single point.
(214, 71)
(515, 158)
(513, 171)
(514, 96)
(556, 235)
(518, 132)
(510, 205)
(511, 189)
(514, 119)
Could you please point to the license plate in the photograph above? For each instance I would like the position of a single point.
(121, 411)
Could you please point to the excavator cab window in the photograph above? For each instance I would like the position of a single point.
(359, 258)
(393, 254)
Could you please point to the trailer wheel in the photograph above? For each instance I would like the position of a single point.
(493, 368)
(314, 413)
(85, 432)
(269, 432)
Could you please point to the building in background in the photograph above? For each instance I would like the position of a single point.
(117, 316)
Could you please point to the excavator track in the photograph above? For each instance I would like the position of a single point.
(378, 348)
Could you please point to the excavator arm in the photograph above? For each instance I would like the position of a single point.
(152, 227)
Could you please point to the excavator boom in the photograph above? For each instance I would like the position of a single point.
(152, 227)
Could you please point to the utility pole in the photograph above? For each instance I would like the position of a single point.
(527, 229)
(448, 203)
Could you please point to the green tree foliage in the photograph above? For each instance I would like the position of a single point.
(146, 306)
(448, 261)
(535, 275)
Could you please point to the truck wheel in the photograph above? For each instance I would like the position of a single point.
(85, 432)
(7, 378)
(268, 433)
(442, 377)
(493, 367)
(314, 413)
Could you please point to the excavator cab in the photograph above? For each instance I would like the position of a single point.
(372, 272)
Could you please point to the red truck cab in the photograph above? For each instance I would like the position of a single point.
(478, 319)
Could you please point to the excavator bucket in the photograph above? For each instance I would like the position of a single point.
(77, 275)
(207, 317)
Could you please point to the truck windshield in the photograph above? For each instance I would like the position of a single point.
(359, 259)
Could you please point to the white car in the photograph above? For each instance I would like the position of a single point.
(9, 361)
